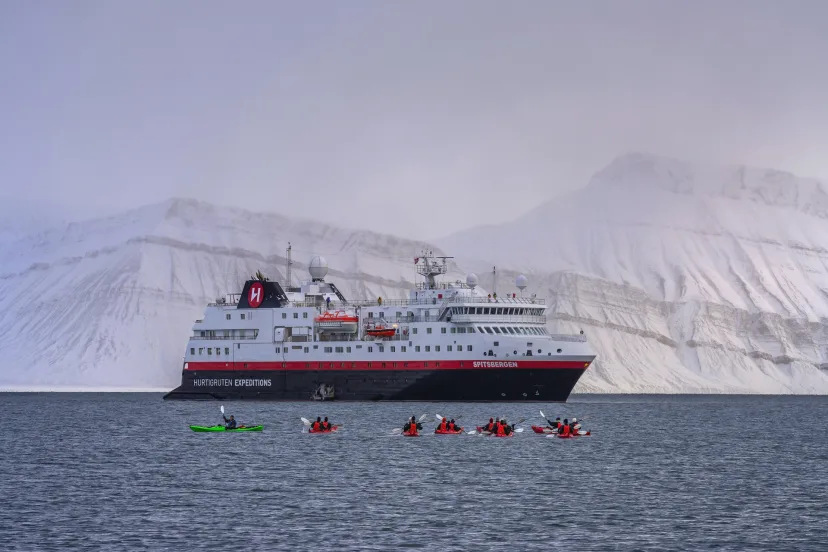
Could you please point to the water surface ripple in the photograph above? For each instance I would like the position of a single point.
(123, 471)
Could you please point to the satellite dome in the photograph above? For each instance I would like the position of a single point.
(471, 280)
(521, 282)
(318, 267)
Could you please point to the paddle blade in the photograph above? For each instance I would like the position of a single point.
(423, 417)
(439, 418)
(519, 430)
(305, 421)
(222, 409)
(395, 430)
(472, 432)
(542, 414)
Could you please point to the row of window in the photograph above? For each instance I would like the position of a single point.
(498, 311)
(210, 350)
(513, 330)
(228, 316)
(380, 348)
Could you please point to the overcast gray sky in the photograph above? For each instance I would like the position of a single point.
(415, 118)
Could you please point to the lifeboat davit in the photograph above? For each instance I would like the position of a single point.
(337, 321)
(380, 331)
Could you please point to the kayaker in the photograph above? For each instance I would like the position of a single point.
(412, 426)
(556, 424)
(231, 423)
(452, 426)
(564, 428)
(490, 426)
(575, 425)
(326, 425)
(443, 425)
(501, 427)
(317, 425)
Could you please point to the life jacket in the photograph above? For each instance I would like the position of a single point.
(452, 427)
(326, 425)
(490, 426)
(500, 429)
(566, 430)
(442, 426)
(315, 426)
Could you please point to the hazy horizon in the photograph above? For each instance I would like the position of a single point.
(416, 120)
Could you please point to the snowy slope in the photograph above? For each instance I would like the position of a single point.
(684, 279)
(111, 302)
(692, 278)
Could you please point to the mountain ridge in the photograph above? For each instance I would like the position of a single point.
(110, 302)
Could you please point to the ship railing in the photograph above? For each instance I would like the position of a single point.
(448, 301)
(568, 337)
(222, 337)
(497, 319)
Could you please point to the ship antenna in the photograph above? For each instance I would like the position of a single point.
(288, 265)
(494, 280)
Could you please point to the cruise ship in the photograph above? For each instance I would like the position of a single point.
(449, 341)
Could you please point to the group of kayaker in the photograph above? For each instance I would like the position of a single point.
(499, 426)
(564, 428)
(496, 426)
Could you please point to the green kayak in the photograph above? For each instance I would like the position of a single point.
(222, 428)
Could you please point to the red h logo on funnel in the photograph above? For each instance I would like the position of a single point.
(255, 294)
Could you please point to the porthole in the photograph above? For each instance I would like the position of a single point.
(559, 350)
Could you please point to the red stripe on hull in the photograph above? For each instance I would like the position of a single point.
(392, 365)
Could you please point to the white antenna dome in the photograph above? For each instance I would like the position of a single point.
(521, 282)
(471, 280)
(318, 267)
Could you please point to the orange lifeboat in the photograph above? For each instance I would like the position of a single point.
(381, 331)
(337, 321)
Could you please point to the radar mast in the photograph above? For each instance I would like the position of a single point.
(431, 267)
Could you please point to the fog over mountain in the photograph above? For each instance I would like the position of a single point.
(685, 278)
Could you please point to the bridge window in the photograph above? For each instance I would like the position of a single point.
(393, 349)
(459, 348)
(437, 348)
(414, 330)
(340, 350)
(454, 330)
(448, 348)
(416, 348)
(242, 316)
(381, 349)
(347, 349)
(209, 350)
(468, 347)
(402, 348)
(370, 349)
(278, 350)
(227, 316)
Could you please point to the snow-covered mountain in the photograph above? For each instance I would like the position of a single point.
(684, 278)
(690, 278)
(111, 302)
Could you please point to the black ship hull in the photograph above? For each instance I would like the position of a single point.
(467, 385)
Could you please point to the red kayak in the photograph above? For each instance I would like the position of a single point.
(482, 429)
(333, 428)
(447, 432)
(572, 435)
(404, 434)
(543, 429)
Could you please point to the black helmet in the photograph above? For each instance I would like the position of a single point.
(318, 419)
(326, 418)
(491, 419)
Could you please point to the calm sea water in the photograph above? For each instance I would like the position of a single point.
(123, 471)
